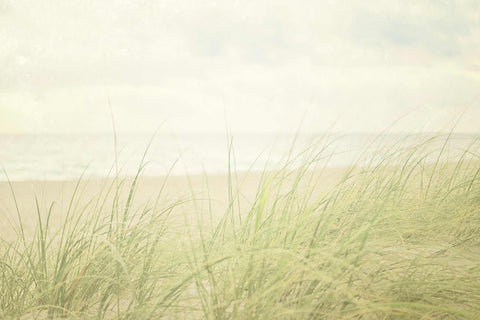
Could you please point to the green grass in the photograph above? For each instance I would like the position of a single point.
(397, 237)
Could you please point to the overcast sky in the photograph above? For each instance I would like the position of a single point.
(262, 65)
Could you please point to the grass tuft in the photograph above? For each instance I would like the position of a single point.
(396, 237)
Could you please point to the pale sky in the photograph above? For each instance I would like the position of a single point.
(262, 65)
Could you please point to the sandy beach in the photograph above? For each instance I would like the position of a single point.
(60, 194)
(87, 194)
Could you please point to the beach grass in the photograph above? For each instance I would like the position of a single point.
(397, 236)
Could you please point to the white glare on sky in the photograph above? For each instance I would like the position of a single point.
(261, 66)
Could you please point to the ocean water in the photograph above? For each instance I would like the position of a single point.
(58, 157)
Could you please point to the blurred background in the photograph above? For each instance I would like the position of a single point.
(192, 69)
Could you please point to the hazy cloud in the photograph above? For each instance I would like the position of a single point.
(262, 62)
(439, 36)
